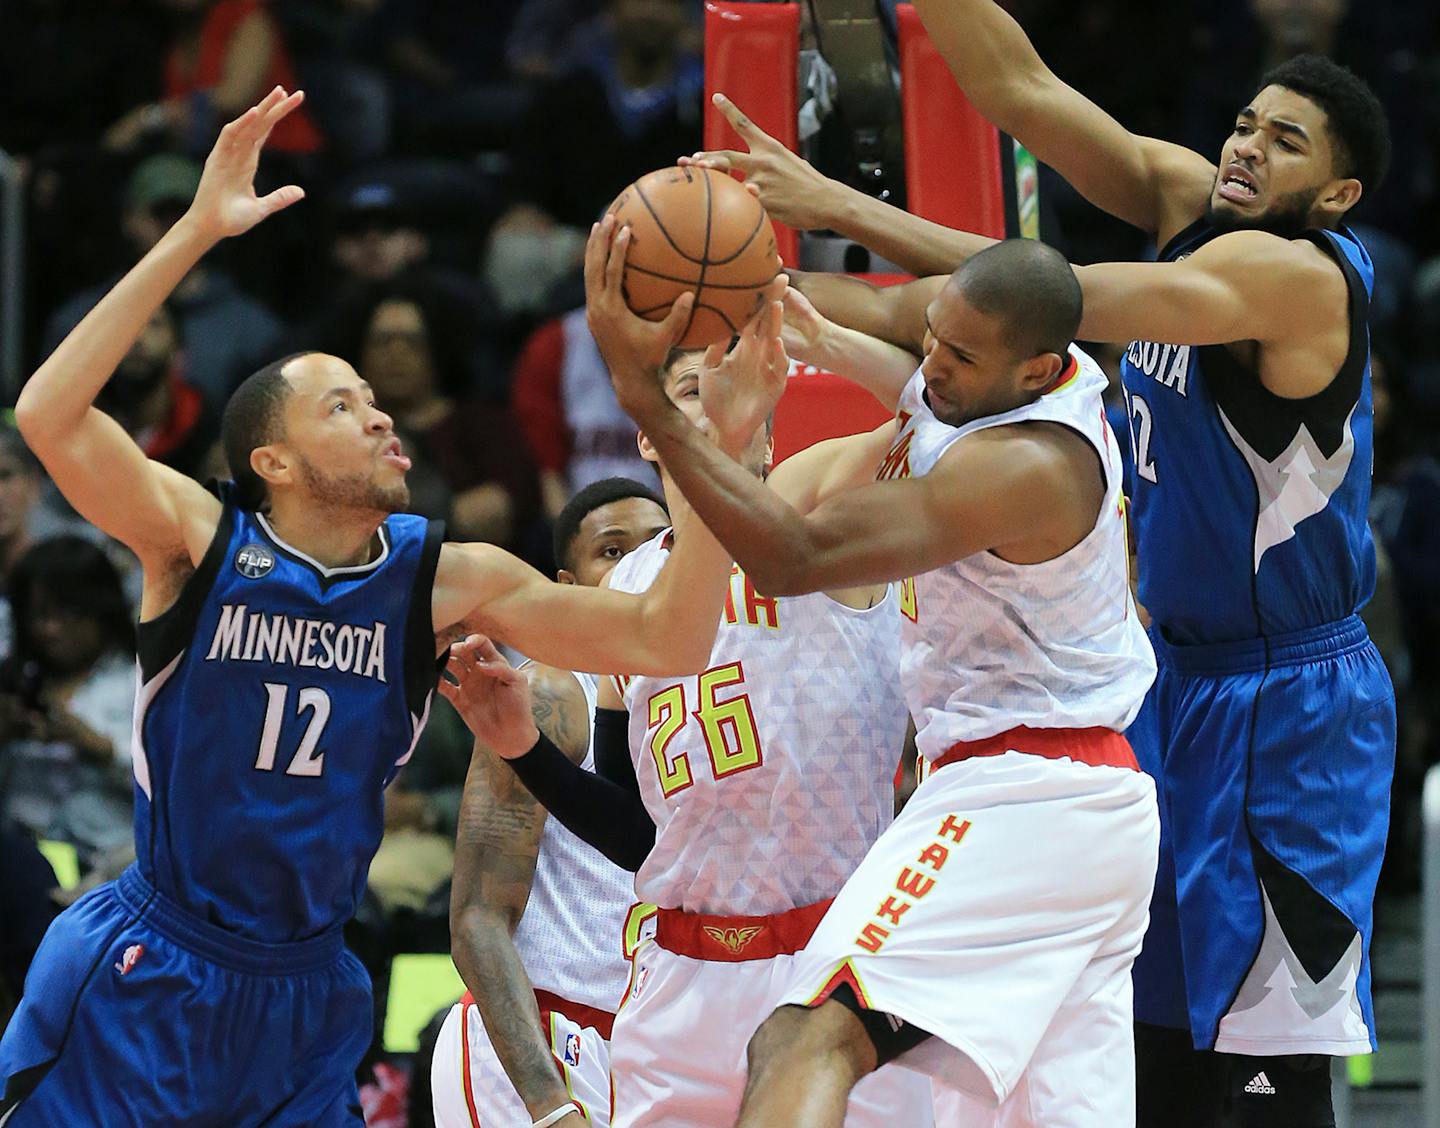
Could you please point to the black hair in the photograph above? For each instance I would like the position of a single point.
(253, 418)
(1031, 288)
(1354, 116)
(74, 572)
(607, 491)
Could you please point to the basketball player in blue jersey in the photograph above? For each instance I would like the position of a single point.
(287, 652)
(1271, 725)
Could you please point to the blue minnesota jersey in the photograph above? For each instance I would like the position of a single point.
(277, 699)
(1250, 508)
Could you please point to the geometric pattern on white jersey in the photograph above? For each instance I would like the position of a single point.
(821, 694)
(993, 645)
(571, 935)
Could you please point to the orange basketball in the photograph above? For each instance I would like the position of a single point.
(696, 229)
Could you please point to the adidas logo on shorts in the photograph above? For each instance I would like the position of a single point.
(1260, 1084)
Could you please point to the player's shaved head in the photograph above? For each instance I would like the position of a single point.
(253, 417)
(1029, 288)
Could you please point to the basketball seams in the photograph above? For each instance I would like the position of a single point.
(690, 281)
(660, 224)
(649, 282)
(740, 250)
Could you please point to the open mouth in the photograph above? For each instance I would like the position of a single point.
(1238, 186)
(392, 453)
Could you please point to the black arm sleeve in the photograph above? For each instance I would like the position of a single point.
(612, 749)
(597, 811)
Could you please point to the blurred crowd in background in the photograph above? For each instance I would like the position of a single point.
(454, 153)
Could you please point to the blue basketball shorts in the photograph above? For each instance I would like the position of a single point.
(137, 1013)
(1273, 761)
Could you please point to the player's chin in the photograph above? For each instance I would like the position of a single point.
(395, 498)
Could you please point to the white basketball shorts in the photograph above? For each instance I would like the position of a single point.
(1001, 912)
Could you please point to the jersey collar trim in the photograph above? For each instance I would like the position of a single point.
(327, 573)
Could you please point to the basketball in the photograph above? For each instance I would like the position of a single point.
(696, 229)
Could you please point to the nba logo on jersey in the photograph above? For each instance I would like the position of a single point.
(130, 958)
(572, 1050)
(254, 561)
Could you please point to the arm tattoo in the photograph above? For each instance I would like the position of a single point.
(497, 843)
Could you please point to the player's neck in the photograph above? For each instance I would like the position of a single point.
(334, 538)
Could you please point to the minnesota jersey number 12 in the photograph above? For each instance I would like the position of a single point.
(305, 762)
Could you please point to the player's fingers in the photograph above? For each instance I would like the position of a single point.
(273, 114)
(232, 137)
(748, 130)
(451, 692)
(487, 652)
(715, 354)
(778, 285)
(597, 250)
(721, 160)
(676, 321)
(615, 265)
(281, 198)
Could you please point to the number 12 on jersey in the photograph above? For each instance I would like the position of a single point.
(728, 728)
(305, 762)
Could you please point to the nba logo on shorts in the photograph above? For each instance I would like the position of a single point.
(572, 1050)
(254, 561)
(130, 958)
(640, 977)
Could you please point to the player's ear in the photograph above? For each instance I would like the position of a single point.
(565, 576)
(647, 452)
(1340, 196)
(271, 463)
(1039, 372)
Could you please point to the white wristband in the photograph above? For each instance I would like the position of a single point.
(558, 1115)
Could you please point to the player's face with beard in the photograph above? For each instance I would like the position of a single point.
(345, 451)
(1276, 167)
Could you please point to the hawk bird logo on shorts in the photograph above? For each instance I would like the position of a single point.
(733, 939)
(130, 958)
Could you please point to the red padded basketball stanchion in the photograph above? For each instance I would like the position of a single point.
(752, 57)
(953, 172)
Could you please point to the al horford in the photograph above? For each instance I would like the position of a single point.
(243, 635)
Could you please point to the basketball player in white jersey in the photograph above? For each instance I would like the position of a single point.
(536, 915)
(762, 782)
(987, 938)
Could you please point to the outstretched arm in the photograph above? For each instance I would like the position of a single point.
(1157, 186)
(795, 193)
(670, 628)
(1003, 488)
(1244, 286)
(496, 846)
(99, 468)
(495, 701)
(881, 368)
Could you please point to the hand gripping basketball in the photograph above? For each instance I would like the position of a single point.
(791, 190)
(633, 348)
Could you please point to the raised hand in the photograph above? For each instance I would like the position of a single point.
(740, 388)
(791, 190)
(225, 204)
(634, 348)
(804, 330)
(491, 696)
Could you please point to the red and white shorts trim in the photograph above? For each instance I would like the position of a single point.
(698, 991)
(1001, 912)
